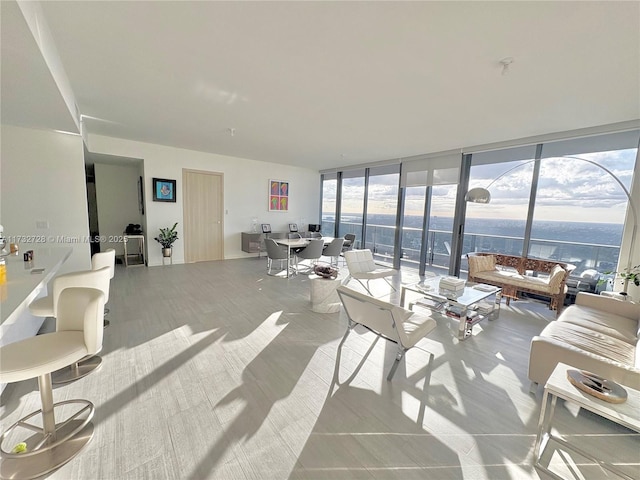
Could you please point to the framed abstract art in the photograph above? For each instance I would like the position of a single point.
(278, 196)
(164, 190)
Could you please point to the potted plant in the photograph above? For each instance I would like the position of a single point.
(166, 238)
(629, 275)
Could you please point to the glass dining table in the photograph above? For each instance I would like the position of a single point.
(292, 243)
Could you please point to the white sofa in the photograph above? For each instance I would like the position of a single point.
(598, 334)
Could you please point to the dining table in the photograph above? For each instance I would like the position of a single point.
(297, 243)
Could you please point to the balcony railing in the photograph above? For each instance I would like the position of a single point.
(380, 239)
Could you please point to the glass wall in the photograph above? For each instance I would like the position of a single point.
(499, 226)
(329, 198)
(352, 205)
(541, 206)
(382, 212)
(412, 224)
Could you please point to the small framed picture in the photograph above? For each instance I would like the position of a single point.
(164, 190)
(266, 228)
(293, 227)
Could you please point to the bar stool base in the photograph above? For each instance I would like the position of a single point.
(76, 371)
(40, 464)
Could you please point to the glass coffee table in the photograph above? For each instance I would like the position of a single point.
(467, 305)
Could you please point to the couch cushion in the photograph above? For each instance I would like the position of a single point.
(481, 263)
(538, 284)
(592, 341)
(607, 323)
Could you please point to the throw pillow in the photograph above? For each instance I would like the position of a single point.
(481, 263)
(555, 278)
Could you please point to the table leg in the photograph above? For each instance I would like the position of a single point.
(403, 291)
(463, 330)
(544, 425)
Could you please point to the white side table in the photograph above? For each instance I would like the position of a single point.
(138, 254)
(324, 298)
(558, 386)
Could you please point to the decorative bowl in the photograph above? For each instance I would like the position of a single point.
(325, 271)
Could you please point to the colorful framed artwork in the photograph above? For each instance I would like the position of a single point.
(278, 196)
(164, 190)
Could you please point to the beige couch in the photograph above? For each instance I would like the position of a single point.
(598, 334)
(514, 274)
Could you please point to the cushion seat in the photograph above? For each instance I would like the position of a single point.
(41, 354)
(593, 342)
(613, 325)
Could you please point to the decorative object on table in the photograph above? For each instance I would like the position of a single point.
(254, 224)
(133, 229)
(166, 238)
(278, 196)
(293, 227)
(597, 386)
(164, 190)
(325, 271)
(266, 228)
(452, 284)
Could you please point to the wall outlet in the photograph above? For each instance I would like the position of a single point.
(42, 224)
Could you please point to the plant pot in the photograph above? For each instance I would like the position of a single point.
(166, 252)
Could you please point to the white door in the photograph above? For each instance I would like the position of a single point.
(203, 215)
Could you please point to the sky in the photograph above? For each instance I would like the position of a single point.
(568, 190)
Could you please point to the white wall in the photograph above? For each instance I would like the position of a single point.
(117, 199)
(246, 185)
(43, 179)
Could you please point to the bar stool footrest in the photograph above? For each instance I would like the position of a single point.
(40, 443)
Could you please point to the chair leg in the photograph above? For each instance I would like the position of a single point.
(396, 362)
(366, 287)
(390, 284)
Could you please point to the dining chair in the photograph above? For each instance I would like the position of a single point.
(275, 252)
(349, 243)
(295, 236)
(333, 250)
(313, 252)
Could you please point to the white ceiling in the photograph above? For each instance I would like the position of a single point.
(326, 84)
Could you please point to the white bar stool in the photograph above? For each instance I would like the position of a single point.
(48, 307)
(80, 314)
(105, 259)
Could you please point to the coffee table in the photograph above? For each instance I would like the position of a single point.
(461, 305)
(558, 386)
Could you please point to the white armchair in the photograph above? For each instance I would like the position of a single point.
(391, 322)
(362, 267)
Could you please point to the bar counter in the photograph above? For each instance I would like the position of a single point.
(23, 287)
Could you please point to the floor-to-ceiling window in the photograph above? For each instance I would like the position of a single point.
(547, 205)
(352, 204)
(329, 197)
(412, 224)
(382, 211)
(499, 226)
(580, 207)
(529, 190)
(429, 187)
